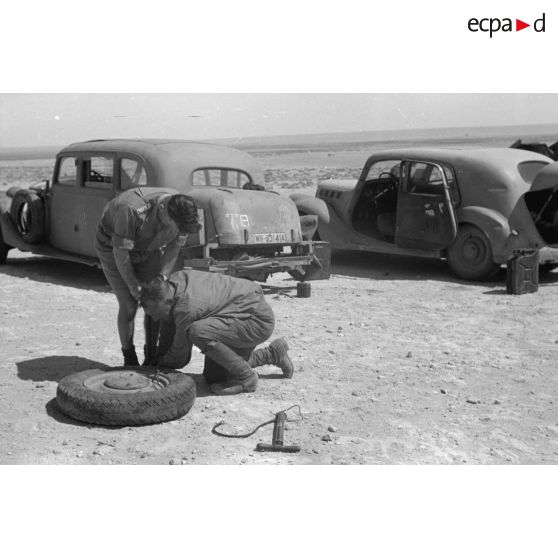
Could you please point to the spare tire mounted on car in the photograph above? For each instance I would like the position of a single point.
(28, 215)
(126, 396)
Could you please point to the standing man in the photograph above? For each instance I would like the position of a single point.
(226, 317)
(139, 236)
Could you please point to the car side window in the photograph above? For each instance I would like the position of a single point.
(452, 183)
(220, 178)
(132, 174)
(67, 171)
(424, 178)
(98, 172)
(383, 169)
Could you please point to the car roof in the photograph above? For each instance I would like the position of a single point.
(484, 156)
(184, 155)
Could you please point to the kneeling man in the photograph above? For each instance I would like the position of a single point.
(226, 317)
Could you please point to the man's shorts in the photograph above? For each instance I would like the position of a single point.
(144, 270)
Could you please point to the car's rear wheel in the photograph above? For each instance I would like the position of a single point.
(126, 396)
(28, 215)
(470, 256)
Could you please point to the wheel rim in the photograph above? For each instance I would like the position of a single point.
(125, 381)
(474, 251)
(24, 218)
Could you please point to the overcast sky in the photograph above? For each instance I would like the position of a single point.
(33, 119)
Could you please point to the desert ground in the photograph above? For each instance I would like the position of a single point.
(396, 360)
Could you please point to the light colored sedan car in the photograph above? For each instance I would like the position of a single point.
(473, 207)
(247, 231)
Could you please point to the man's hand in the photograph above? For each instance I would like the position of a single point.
(153, 361)
(135, 291)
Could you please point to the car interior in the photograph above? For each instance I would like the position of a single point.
(376, 208)
(543, 207)
(375, 211)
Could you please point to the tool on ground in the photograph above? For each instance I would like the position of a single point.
(277, 439)
(278, 432)
(156, 377)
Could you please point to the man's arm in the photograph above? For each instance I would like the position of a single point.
(124, 265)
(180, 352)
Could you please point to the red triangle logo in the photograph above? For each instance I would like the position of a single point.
(519, 25)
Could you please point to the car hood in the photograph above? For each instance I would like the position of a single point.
(338, 184)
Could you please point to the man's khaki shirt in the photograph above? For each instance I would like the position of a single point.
(132, 221)
(200, 295)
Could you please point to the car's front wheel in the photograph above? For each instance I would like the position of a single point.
(470, 256)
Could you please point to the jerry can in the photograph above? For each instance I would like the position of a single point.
(522, 273)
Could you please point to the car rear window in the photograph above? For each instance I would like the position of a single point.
(224, 178)
(529, 169)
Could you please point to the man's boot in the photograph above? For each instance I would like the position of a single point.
(276, 354)
(130, 357)
(241, 377)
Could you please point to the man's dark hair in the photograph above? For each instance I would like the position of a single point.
(183, 211)
(157, 290)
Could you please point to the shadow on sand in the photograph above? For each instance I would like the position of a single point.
(54, 368)
(289, 291)
(57, 272)
(387, 267)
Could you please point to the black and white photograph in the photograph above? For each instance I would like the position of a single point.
(282, 266)
(376, 296)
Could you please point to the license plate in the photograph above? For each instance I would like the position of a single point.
(269, 238)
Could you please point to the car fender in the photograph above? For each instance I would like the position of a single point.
(13, 190)
(493, 224)
(10, 234)
(311, 205)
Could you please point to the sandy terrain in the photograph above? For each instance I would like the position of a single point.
(397, 362)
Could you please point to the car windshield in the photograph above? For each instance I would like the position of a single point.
(223, 178)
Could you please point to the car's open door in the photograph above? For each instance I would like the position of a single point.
(425, 211)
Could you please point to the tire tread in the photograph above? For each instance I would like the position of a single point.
(141, 408)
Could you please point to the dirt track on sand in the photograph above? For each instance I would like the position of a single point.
(397, 362)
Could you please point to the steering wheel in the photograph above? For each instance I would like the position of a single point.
(390, 183)
(96, 176)
(388, 176)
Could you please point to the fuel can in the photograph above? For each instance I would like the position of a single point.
(522, 273)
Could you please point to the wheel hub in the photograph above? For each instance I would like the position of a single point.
(472, 251)
(126, 381)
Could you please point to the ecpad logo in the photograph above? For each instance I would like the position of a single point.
(492, 25)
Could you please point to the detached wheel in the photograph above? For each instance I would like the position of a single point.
(470, 256)
(125, 396)
(28, 215)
